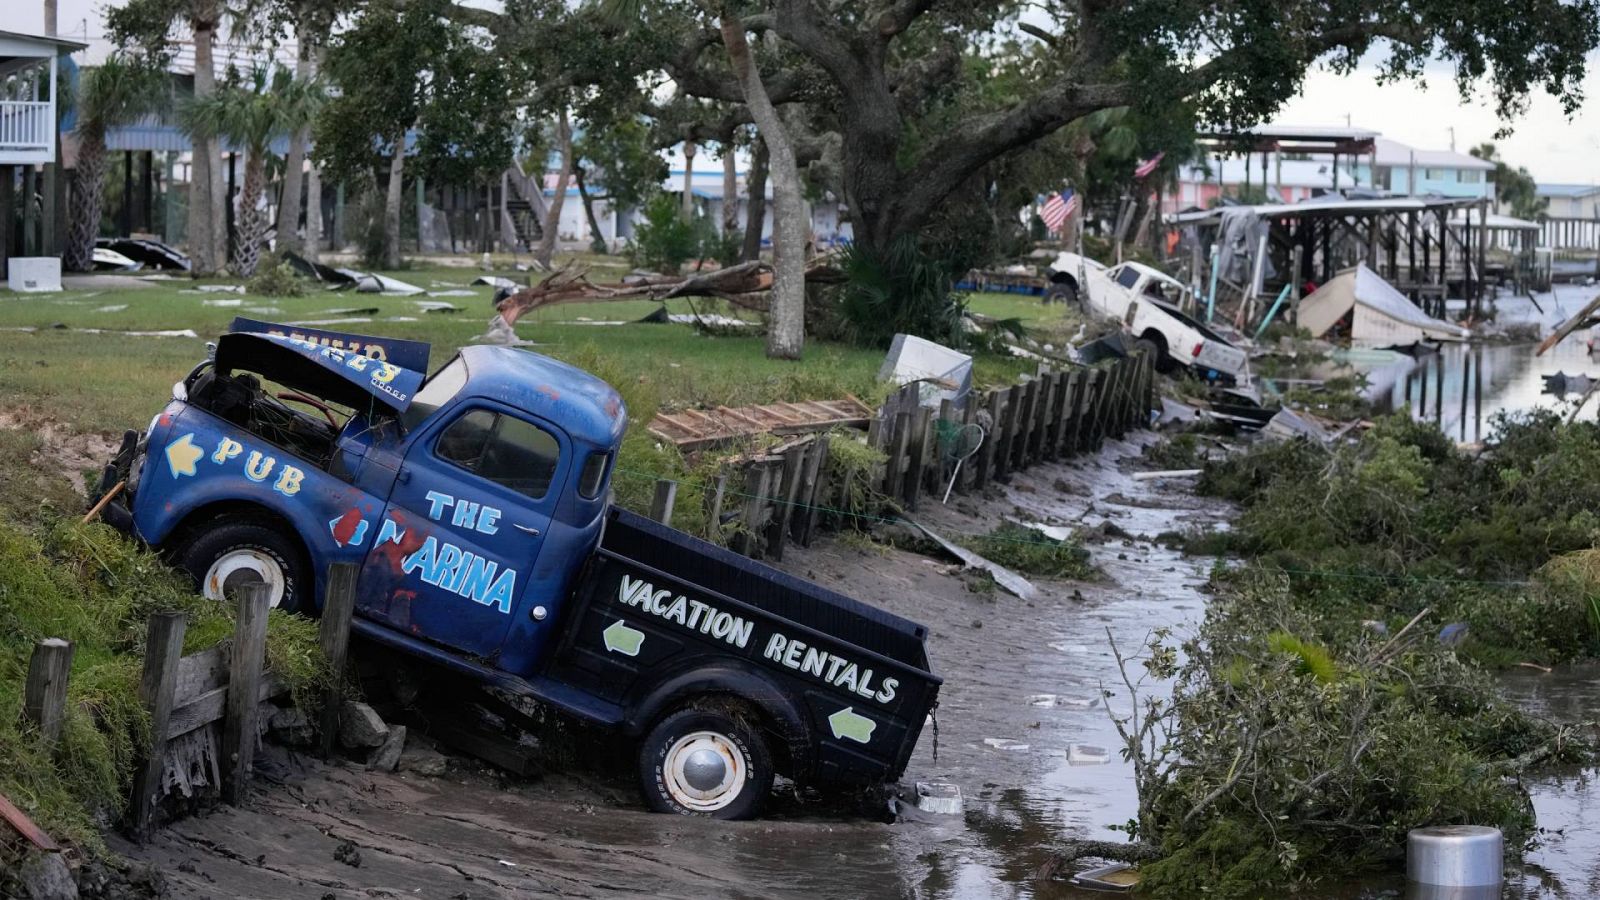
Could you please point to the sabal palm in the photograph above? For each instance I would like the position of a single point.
(116, 92)
(252, 111)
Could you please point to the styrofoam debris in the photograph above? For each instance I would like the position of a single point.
(1087, 755)
(223, 301)
(1063, 646)
(939, 797)
(1044, 701)
(1005, 744)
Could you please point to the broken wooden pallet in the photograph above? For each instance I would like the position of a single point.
(695, 429)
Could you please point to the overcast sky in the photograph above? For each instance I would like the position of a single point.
(1420, 114)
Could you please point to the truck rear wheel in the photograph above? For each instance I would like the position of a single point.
(221, 555)
(705, 762)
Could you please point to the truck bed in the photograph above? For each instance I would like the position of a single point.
(656, 606)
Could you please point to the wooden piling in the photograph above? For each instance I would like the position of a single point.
(239, 731)
(813, 490)
(44, 695)
(338, 605)
(748, 540)
(894, 467)
(917, 456)
(163, 647)
(783, 506)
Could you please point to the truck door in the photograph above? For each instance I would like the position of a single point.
(469, 511)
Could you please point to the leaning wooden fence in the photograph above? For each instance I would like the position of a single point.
(783, 493)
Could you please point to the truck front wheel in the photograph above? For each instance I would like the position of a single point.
(705, 762)
(221, 555)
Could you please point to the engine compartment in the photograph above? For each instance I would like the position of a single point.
(240, 398)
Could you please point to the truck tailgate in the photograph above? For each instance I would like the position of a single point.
(656, 603)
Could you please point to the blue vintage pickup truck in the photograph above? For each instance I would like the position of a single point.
(475, 502)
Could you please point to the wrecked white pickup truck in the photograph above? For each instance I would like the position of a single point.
(1149, 304)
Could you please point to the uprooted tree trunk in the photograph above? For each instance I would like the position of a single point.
(786, 323)
(546, 250)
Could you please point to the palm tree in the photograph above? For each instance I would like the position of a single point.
(114, 93)
(253, 111)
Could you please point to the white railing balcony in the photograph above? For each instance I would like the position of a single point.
(27, 131)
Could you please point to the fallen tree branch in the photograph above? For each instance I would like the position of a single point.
(1074, 850)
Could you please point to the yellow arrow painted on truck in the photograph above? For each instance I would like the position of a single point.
(182, 454)
(623, 638)
(847, 723)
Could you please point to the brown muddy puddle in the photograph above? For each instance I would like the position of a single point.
(1033, 768)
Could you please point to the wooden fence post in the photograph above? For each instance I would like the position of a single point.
(1025, 418)
(1083, 430)
(714, 507)
(1058, 430)
(1046, 417)
(794, 460)
(947, 424)
(748, 540)
(814, 488)
(661, 504)
(917, 456)
(895, 465)
(1008, 433)
(44, 697)
(163, 647)
(337, 607)
(239, 731)
(991, 439)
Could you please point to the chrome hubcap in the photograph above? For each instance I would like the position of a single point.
(704, 771)
(241, 566)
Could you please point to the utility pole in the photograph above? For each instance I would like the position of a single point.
(1452, 139)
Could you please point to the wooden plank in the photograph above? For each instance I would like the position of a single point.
(1024, 429)
(200, 673)
(666, 494)
(917, 456)
(794, 461)
(1066, 382)
(969, 416)
(239, 732)
(751, 520)
(163, 647)
(1044, 417)
(946, 426)
(337, 607)
(44, 694)
(1008, 433)
(25, 826)
(812, 488)
(213, 705)
(894, 468)
(991, 439)
(714, 507)
(739, 416)
(1083, 422)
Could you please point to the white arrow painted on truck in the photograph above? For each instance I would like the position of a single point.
(621, 638)
(847, 723)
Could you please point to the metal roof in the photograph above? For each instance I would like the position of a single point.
(59, 42)
(1397, 155)
(1566, 190)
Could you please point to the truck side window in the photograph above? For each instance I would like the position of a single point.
(1128, 277)
(594, 475)
(504, 449)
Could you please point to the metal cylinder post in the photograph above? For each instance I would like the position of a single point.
(1455, 856)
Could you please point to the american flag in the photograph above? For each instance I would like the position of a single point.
(1056, 209)
(1149, 165)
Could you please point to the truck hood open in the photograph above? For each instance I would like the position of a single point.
(340, 376)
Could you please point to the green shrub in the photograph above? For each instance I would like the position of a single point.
(902, 289)
(665, 240)
(275, 278)
(1026, 550)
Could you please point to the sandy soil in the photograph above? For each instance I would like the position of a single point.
(64, 451)
(472, 833)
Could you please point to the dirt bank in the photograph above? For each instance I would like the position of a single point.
(471, 833)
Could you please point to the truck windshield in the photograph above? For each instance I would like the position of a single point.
(435, 392)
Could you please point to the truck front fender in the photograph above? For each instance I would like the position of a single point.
(780, 712)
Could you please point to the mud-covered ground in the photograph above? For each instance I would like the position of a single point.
(315, 830)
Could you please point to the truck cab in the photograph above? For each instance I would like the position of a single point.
(1150, 305)
(475, 504)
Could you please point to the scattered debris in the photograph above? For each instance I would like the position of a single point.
(458, 292)
(498, 281)
(145, 252)
(1168, 473)
(46, 876)
(436, 306)
(1287, 423)
(115, 307)
(1006, 744)
(340, 321)
(347, 853)
(939, 797)
(711, 320)
(1044, 701)
(374, 283)
(34, 274)
(1011, 581)
(1118, 877)
(24, 825)
(291, 726)
(1383, 317)
(942, 373)
(223, 301)
(1583, 317)
(1087, 755)
(219, 289)
(339, 278)
(111, 261)
(1065, 647)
